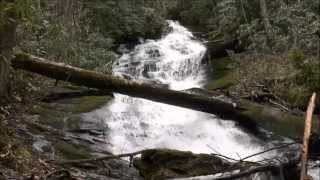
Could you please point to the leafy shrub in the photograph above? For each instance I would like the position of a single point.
(308, 70)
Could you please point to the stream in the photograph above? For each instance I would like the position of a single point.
(174, 61)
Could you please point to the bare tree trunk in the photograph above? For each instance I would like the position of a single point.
(39, 5)
(266, 21)
(7, 41)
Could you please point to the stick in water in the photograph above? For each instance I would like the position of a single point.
(307, 131)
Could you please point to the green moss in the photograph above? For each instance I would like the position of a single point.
(214, 36)
(275, 120)
(221, 67)
(72, 151)
(63, 114)
(223, 82)
(50, 116)
(297, 96)
(90, 103)
(23, 153)
(223, 74)
(296, 57)
(22, 56)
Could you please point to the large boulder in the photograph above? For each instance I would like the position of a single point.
(165, 163)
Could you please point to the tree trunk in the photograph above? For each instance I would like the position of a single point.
(101, 81)
(7, 41)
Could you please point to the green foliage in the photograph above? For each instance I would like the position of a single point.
(297, 58)
(291, 22)
(86, 34)
(15, 11)
(63, 38)
(125, 20)
(223, 17)
(197, 14)
(308, 70)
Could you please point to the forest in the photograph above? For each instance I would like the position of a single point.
(160, 89)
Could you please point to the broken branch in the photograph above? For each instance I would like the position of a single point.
(306, 137)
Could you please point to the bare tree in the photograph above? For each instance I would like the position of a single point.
(265, 16)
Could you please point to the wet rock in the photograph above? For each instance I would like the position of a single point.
(165, 163)
(59, 131)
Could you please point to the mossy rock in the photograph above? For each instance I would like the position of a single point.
(277, 121)
(166, 163)
(64, 114)
(72, 151)
(88, 103)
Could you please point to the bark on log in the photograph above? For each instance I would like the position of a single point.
(101, 81)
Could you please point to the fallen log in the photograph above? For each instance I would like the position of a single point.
(63, 72)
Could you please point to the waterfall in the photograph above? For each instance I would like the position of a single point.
(133, 124)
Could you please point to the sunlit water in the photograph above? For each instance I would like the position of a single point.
(136, 124)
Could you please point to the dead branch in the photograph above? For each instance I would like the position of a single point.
(268, 150)
(306, 137)
(273, 168)
(247, 172)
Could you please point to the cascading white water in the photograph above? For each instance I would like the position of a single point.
(135, 124)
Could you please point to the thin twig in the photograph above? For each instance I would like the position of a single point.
(268, 150)
(220, 155)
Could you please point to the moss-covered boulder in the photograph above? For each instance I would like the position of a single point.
(275, 120)
(166, 163)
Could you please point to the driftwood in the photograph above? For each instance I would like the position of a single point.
(306, 137)
(60, 71)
